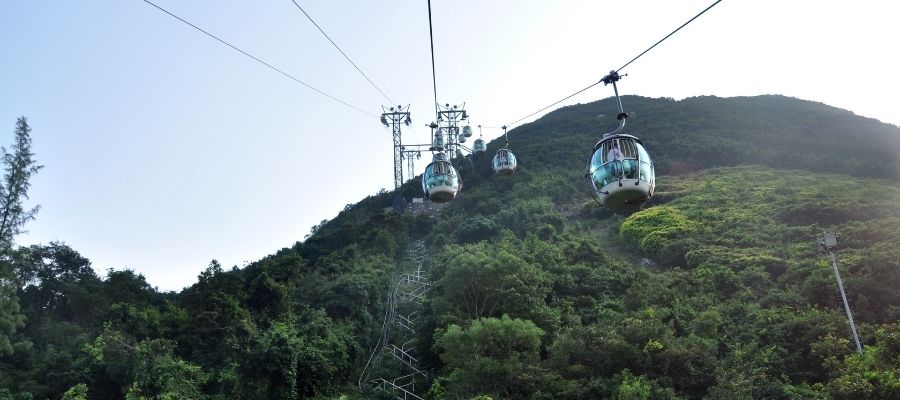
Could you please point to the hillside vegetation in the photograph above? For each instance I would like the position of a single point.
(715, 290)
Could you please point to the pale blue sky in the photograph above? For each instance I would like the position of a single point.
(165, 149)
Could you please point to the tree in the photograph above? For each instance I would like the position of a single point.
(10, 315)
(159, 374)
(489, 280)
(77, 392)
(19, 167)
(268, 299)
(56, 281)
(494, 355)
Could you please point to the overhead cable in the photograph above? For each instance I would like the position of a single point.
(667, 36)
(622, 67)
(342, 52)
(560, 101)
(289, 76)
(433, 73)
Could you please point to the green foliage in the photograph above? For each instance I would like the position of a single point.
(874, 374)
(77, 392)
(660, 233)
(715, 290)
(18, 167)
(632, 387)
(476, 229)
(5, 394)
(158, 374)
(497, 356)
(487, 280)
(10, 316)
(266, 298)
(697, 133)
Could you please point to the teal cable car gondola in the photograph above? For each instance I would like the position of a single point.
(479, 146)
(467, 131)
(440, 182)
(620, 172)
(504, 162)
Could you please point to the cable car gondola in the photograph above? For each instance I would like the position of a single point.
(479, 146)
(620, 172)
(440, 182)
(504, 162)
(437, 144)
(467, 131)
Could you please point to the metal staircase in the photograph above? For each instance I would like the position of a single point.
(400, 373)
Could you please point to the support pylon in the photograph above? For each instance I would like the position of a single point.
(411, 156)
(393, 117)
(447, 126)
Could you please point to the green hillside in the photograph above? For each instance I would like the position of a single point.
(703, 132)
(715, 290)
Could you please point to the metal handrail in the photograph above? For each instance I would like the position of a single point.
(405, 293)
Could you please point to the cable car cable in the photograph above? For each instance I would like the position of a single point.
(560, 101)
(260, 61)
(433, 73)
(667, 36)
(342, 52)
(622, 67)
(440, 180)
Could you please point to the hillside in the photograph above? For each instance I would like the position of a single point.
(715, 290)
(704, 132)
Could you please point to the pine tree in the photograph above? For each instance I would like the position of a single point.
(19, 167)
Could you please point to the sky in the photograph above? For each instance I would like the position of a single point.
(164, 149)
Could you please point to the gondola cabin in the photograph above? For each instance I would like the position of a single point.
(438, 143)
(440, 182)
(620, 173)
(504, 162)
(479, 146)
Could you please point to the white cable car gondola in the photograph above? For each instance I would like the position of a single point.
(620, 173)
(504, 162)
(479, 147)
(467, 131)
(440, 182)
(437, 143)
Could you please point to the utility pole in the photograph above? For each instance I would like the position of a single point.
(392, 118)
(828, 242)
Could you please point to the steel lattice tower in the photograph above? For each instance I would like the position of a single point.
(392, 118)
(449, 118)
(411, 156)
